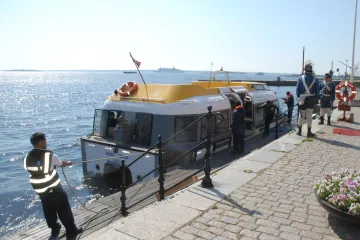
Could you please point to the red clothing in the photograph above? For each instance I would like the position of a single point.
(236, 108)
(288, 97)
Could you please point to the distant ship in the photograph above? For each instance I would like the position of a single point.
(129, 72)
(291, 75)
(22, 70)
(173, 69)
(259, 73)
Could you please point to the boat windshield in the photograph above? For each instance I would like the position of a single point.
(123, 127)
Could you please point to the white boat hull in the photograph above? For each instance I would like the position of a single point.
(92, 151)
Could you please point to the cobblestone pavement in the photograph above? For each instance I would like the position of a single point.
(280, 203)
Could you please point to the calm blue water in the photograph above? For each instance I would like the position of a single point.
(60, 104)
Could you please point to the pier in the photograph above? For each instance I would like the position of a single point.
(265, 194)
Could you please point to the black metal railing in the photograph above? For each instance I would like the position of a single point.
(283, 115)
(206, 182)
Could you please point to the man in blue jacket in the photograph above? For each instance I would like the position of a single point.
(307, 93)
(327, 97)
(237, 128)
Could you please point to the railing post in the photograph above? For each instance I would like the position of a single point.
(207, 182)
(123, 190)
(276, 127)
(161, 178)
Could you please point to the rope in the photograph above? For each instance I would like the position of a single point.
(103, 211)
(100, 159)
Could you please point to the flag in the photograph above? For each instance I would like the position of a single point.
(137, 63)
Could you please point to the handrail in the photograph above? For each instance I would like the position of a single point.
(183, 155)
(207, 183)
(143, 154)
(283, 114)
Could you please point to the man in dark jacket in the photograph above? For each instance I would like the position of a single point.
(237, 128)
(269, 112)
(307, 94)
(289, 100)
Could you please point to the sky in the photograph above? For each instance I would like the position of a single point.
(238, 35)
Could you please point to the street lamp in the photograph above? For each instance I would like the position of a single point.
(353, 53)
(347, 66)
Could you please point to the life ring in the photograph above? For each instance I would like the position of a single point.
(128, 89)
(345, 96)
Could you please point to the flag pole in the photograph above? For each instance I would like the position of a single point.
(303, 59)
(353, 50)
(147, 96)
(302, 72)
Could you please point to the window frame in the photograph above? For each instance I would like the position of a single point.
(136, 127)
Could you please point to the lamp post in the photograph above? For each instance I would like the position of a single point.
(353, 52)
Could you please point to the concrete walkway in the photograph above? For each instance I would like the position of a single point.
(274, 201)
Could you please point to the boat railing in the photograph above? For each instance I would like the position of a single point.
(206, 182)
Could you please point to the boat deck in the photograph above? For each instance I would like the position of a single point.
(91, 221)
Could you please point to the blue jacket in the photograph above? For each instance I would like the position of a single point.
(323, 90)
(300, 89)
(238, 121)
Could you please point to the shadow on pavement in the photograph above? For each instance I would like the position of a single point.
(338, 144)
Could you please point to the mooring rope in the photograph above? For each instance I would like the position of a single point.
(106, 209)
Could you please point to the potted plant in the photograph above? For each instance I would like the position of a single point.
(339, 194)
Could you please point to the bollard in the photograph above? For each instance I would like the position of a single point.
(207, 182)
(123, 190)
(161, 178)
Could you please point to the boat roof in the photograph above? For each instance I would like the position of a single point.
(169, 93)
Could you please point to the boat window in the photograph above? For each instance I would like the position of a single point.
(190, 135)
(259, 116)
(143, 128)
(266, 87)
(113, 118)
(248, 106)
(98, 120)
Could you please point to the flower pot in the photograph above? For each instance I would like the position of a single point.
(337, 212)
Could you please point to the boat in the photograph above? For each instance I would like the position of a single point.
(173, 69)
(126, 126)
(129, 72)
(259, 73)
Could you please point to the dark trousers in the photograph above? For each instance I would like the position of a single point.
(55, 204)
(239, 138)
(290, 112)
(268, 120)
